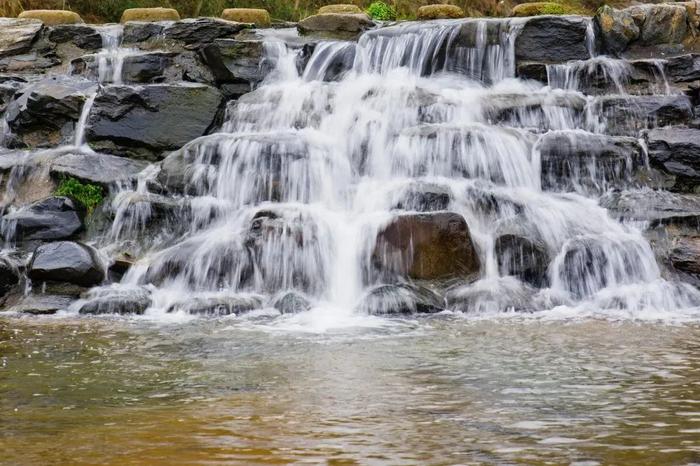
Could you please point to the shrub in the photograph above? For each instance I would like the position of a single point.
(89, 195)
(381, 11)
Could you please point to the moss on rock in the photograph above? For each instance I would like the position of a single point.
(257, 16)
(541, 8)
(340, 8)
(150, 14)
(52, 17)
(441, 11)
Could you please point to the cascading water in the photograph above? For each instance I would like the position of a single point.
(287, 200)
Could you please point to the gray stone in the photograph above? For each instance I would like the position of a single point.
(552, 39)
(103, 169)
(66, 261)
(676, 151)
(17, 35)
(335, 25)
(50, 219)
(401, 299)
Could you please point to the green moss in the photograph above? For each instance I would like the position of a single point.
(381, 12)
(89, 195)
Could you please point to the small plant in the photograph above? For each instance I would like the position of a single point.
(89, 195)
(381, 11)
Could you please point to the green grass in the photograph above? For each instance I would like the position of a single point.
(89, 195)
(381, 11)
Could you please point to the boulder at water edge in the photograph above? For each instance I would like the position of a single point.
(66, 261)
(426, 246)
(53, 218)
(335, 26)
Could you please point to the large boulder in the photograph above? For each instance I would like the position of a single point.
(53, 218)
(197, 32)
(145, 121)
(46, 114)
(504, 294)
(626, 115)
(676, 151)
(150, 14)
(218, 305)
(539, 8)
(401, 299)
(335, 26)
(439, 11)
(66, 261)
(685, 255)
(239, 62)
(81, 35)
(552, 39)
(426, 246)
(520, 257)
(617, 28)
(17, 35)
(116, 299)
(102, 169)
(660, 23)
(339, 8)
(9, 275)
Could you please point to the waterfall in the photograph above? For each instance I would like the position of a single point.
(290, 195)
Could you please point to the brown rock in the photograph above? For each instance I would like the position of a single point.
(439, 12)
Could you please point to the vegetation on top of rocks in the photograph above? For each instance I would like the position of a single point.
(89, 195)
(543, 8)
(381, 11)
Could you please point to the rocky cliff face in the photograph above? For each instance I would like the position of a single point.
(228, 165)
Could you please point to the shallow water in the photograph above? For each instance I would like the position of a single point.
(443, 390)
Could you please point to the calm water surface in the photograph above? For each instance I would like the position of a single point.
(439, 391)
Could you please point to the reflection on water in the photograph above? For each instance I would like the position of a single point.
(438, 391)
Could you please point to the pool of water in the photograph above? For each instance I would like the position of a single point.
(443, 390)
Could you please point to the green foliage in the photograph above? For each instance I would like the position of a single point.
(89, 195)
(381, 11)
(554, 9)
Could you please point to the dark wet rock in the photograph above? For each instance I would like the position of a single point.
(617, 28)
(195, 32)
(102, 169)
(137, 31)
(532, 70)
(85, 37)
(428, 246)
(485, 200)
(8, 90)
(401, 299)
(520, 257)
(534, 110)
(335, 26)
(236, 61)
(139, 68)
(291, 302)
(218, 305)
(685, 255)
(492, 295)
(143, 122)
(17, 35)
(51, 219)
(657, 206)
(676, 151)
(627, 115)
(552, 39)
(334, 64)
(572, 160)
(66, 261)
(46, 114)
(423, 197)
(9, 275)
(683, 68)
(116, 300)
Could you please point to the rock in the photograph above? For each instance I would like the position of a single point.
(492, 295)
(650, 206)
(627, 115)
(218, 305)
(427, 246)
(685, 255)
(423, 197)
(539, 8)
(46, 113)
(257, 16)
(617, 29)
(150, 14)
(50, 219)
(66, 261)
(522, 258)
(17, 35)
(660, 23)
(335, 26)
(440, 11)
(236, 61)
(138, 31)
(41, 304)
(9, 276)
(84, 37)
(291, 302)
(142, 68)
(52, 17)
(340, 8)
(116, 300)
(676, 151)
(102, 169)
(572, 160)
(401, 299)
(143, 122)
(198, 32)
(683, 68)
(552, 39)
